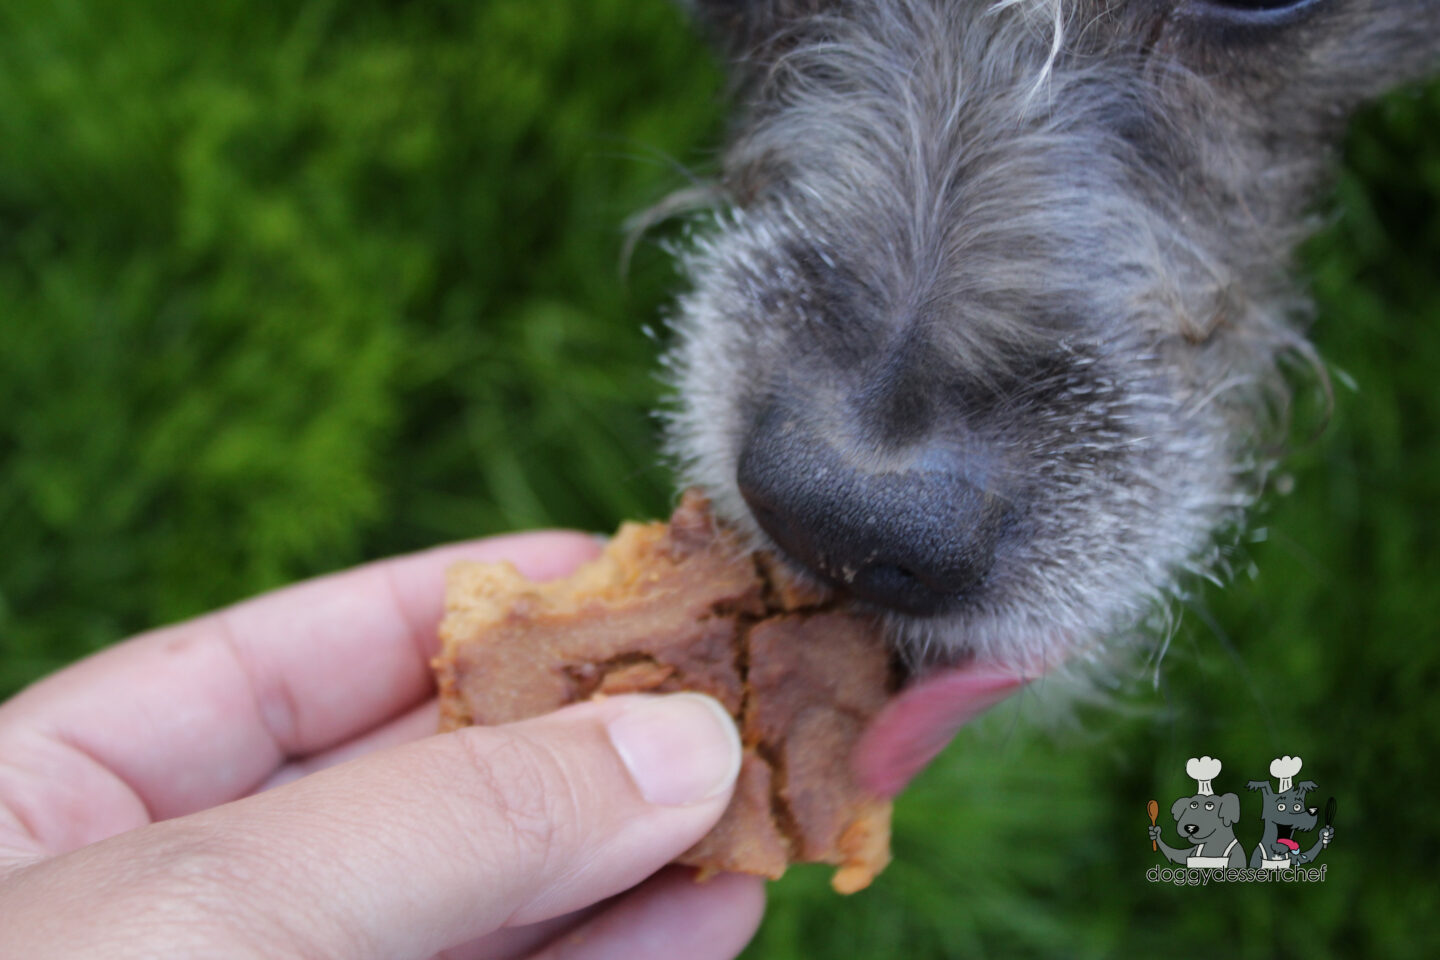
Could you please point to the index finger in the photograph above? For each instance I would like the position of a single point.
(200, 713)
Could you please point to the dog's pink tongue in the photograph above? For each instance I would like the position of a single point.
(1294, 847)
(921, 720)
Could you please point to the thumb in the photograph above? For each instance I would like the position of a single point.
(408, 851)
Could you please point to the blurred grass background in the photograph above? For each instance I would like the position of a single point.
(287, 286)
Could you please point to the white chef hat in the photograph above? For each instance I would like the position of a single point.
(1285, 768)
(1204, 770)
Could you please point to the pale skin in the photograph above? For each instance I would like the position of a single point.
(264, 781)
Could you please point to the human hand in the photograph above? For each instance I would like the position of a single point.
(259, 782)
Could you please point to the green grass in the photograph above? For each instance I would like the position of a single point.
(285, 287)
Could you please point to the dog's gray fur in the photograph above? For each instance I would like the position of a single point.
(1059, 231)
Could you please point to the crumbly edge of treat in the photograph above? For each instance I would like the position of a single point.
(482, 593)
(488, 591)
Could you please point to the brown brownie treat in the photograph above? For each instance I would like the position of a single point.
(681, 606)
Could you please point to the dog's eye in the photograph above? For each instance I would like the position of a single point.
(1194, 805)
(1280, 806)
(1297, 808)
(1254, 12)
(1259, 4)
(1209, 805)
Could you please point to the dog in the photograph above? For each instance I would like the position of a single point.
(1284, 814)
(1205, 821)
(988, 322)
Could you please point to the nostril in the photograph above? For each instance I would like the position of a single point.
(900, 573)
(904, 574)
(886, 575)
(901, 588)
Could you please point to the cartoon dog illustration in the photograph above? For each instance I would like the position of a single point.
(1285, 814)
(1205, 821)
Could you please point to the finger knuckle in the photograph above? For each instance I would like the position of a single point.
(527, 792)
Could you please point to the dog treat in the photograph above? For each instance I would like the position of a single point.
(681, 606)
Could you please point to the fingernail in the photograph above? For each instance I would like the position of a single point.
(680, 749)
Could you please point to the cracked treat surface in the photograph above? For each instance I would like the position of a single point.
(681, 606)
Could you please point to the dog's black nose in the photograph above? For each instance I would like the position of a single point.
(1191, 828)
(914, 537)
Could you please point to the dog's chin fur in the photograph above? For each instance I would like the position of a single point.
(1030, 185)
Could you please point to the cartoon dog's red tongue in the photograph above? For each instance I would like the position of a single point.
(1294, 847)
